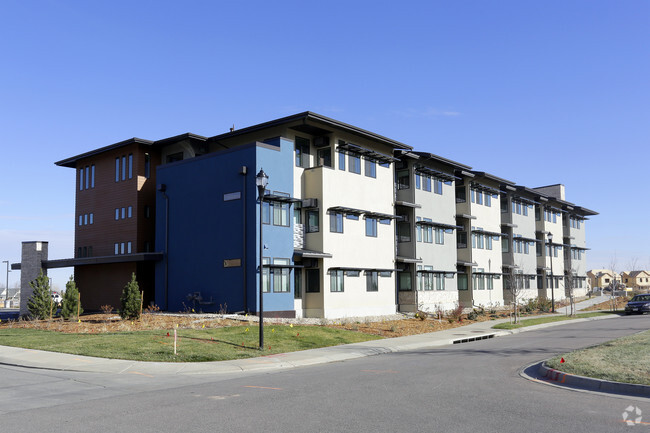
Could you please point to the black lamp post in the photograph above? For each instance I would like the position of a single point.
(261, 180)
(550, 253)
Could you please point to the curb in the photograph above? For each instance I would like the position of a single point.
(591, 384)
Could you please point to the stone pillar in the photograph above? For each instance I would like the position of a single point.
(31, 263)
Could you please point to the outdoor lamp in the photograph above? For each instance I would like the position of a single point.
(550, 253)
(261, 180)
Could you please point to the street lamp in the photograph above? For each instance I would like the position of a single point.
(550, 253)
(7, 282)
(261, 180)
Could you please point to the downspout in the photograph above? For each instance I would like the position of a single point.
(243, 171)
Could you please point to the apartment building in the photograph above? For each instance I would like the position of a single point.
(353, 224)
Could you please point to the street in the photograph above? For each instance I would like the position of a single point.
(470, 387)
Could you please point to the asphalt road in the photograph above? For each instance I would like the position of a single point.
(470, 387)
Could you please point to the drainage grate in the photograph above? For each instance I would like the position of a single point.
(474, 338)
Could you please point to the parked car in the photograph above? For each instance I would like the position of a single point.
(639, 304)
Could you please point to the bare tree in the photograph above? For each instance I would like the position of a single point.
(569, 286)
(514, 283)
(614, 283)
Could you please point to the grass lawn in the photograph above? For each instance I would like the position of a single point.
(625, 360)
(547, 319)
(193, 345)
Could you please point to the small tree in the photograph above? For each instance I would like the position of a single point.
(569, 290)
(130, 300)
(40, 305)
(515, 285)
(70, 304)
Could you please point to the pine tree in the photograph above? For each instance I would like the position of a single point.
(130, 300)
(70, 300)
(41, 305)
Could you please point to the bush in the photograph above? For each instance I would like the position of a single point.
(130, 300)
(456, 314)
(70, 300)
(41, 305)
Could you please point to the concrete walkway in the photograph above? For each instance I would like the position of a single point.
(66, 362)
(580, 306)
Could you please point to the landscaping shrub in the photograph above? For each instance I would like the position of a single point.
(130, 300)
(40, 305)
(70, 300)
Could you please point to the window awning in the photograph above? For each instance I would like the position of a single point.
(279, 266)
(514, 226)
(436, 224)
(521, 238)
(281, 198)
(466, 216)
(407, 204)
(367, 213)
(309, 254)
(401, 259)
(343, 268)
(435, 173)
(462, 263)
(519, 199)
(366, 153)
(484, 188)
(434, 271)
(485, 232)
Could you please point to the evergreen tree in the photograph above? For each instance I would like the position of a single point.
(130, 300)
(70, 300)
(41, 305)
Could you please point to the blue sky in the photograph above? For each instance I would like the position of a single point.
(535, 92)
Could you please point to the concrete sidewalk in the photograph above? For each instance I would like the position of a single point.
(66, 362)
(580, 306)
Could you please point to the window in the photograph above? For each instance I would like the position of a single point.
(280, 214)
(266, 212)
(123, 212)
(341, 161)
(405, 284)
(427, 232)
(117, 214)
(461, 239)
(85, 219)
(297, 283)
(313, 281)
(147, 165)
(371, 227)
(461, 194)
(87, 177)
(81, 179)
(297, 215)
(372, 282)
(281, 277)
(418, 230)
(117, 170)
(479, 197)
(403, 179)
(437, 186)
(488, 200)
(488, 242)
(312, 221)
(266, 275)
(130, 165)
(336, 222)
(336, 281)
(440, 236)
(370, 169)
(417, 180)
(128, 247)
(403, 232)
(147, 211)
(302, 152)
(462, 282)
(354, 162)
(117, 248)
(129, 212)
(92, 218)
(472, 195)
(440, 281)
(325, 157)
(426, 183)
(122, 248)
(124, 168)
(81, 220)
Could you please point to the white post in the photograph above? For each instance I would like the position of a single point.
(174, 341)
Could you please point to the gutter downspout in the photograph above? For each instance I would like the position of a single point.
(243, 171)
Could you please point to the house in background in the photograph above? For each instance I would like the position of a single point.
(354, 224)
(602, 278)
(637, 280)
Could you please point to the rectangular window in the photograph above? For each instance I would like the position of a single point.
(122, 248)
(117, 249)
(461, 194)
(336, 281)
(81, 220)
(280, 214)
(312, 221)
(313, 280)
(85, 219)
(324, 157)
(129, 212)
(437, 186)
(472, 195)
(462, 282)
(92, 176)
(281, 276)
(403, 232)
(354, 163)
(479, 197)
(266, 212)
(417, 180)
(440, 236)
(426, 183)
(372, 282)
(302, 152)
(461, 239)
(403, 179)
(92, 218)
(480, 238)
(87, 177)
(123, 212)
(488, 242)
(124, 168)
(405, 284)
(336, 222)
(505, 245)
(266, 275)
(297, 215)
(488, 200)
(371, 227)
(130, 165)
(117, 169)
(341, 160)
(297, 283)
(117, 214)
(147, 165)
(128, 247)
(440, 281)
(81, 179)
(370, 169)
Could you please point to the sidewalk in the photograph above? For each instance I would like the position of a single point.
(580, 306)
(66, 362)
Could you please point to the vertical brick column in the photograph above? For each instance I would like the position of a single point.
(33, 256)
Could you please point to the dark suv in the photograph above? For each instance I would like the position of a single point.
(639, 304)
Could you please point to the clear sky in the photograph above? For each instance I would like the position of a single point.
(535, 92)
